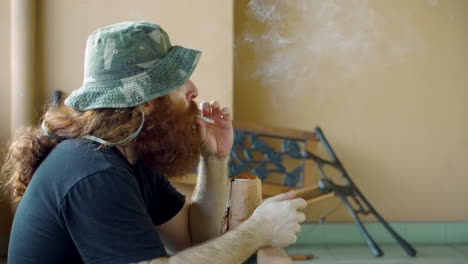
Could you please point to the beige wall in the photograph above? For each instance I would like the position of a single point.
(5, 215)
(63, 26)
(386, 80)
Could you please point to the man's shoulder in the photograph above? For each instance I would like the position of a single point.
(74, 160)
(85, 156)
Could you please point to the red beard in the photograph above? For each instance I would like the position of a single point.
(169, 142)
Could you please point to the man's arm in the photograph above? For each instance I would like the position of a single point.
(274, 223)
(233, 247)
(201, 219)
(210, 195)
(209, 200)
(175, 232)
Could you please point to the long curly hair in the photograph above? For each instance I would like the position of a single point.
(30, 146)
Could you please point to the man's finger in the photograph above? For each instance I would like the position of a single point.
(226, 113)
(298, 228)
(214, 104)
(299, 203)
(202, 131)
(205, 108)
(215, 108)
(282, 197)
(301, 217)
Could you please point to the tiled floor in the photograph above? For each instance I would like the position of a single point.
(360, 254)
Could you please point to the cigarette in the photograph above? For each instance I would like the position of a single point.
(206, 119)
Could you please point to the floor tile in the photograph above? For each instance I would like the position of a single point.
(394, 254)
(462, 248)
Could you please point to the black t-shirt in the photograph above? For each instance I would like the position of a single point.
(85, 205)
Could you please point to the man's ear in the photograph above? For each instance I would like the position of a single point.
(148, 107)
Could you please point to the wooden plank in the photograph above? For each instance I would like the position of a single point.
(309, 192)
(268, 189)
(273, 131)
(320, 198)
(245, 197)
(301, 257)
(274, 189)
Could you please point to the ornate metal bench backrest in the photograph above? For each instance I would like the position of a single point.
(277, 156)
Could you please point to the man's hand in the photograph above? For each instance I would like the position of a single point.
(217, 138)
(278, 219)
(211, 192)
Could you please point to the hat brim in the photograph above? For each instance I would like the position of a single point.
(167, 74)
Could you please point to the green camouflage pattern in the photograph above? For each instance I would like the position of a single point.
(127, 64)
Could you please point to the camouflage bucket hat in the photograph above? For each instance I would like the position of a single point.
(127, 64)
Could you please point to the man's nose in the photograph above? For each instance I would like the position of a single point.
(192, 92)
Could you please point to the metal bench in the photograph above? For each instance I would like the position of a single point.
(284, 159)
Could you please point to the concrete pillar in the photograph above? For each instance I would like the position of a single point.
(23, 62)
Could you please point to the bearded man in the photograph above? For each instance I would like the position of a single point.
(92, 179)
